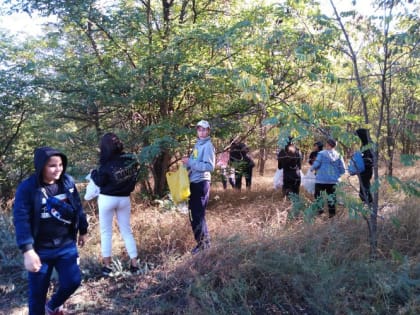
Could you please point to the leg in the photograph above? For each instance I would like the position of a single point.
(107, 206)
(294, 187)
(289, 186)
(248, 178)
(364, 192)
(200, 193)
(224, 177)
(123, 213)
(38, 283)
(232, 177)
(68, 274)
(330, 189)
(318, 190)
(238, 179)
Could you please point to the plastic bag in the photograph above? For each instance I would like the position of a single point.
(92, 191)
(278, 179)
(179, 184)
(308, 182)
(356, 164)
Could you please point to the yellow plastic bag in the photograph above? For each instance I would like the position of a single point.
(179, 184)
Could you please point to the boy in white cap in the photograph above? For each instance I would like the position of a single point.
(200, 164)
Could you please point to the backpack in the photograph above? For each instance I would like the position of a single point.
(357, 164)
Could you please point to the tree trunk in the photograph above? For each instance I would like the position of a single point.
(263, 141)
(159, 169)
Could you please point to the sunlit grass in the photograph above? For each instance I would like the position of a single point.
(261, 260)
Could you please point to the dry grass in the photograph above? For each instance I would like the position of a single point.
(261, 261)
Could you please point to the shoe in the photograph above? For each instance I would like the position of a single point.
(58, 311)
(200, 247)
(196, 250)
(106, 271)
(134, 269)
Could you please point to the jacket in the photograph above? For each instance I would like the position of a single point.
(202, 161)
(118, 176)
(28, 202)
(291, 163)
(367, 153)
(329, 167)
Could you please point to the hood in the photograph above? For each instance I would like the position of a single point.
(332, 154)
(41, 156)
(204, 140)
(363, 134)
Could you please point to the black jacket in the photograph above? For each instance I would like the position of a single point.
(118, 176)
(291, 163)
(28, 202)
(367, 153)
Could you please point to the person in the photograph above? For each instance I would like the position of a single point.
(329, 167)
(227, 173)
(241, 161)
(49, 220)
(365, 176)
(116, 178)
(200, 164)
(318, 146)
(290, 160)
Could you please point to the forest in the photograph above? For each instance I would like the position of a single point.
(257, 71)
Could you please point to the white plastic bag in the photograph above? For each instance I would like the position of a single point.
(278, 179)
(92, 191)
(308, 182)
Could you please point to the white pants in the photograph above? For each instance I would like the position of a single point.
(121, 206)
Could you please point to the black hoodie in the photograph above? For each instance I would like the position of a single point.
(363, 135)
(29, 202)
(41, 156)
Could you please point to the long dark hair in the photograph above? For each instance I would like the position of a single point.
(110, 146)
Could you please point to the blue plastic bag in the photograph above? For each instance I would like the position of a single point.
(356, 165)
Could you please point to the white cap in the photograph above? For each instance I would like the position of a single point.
(203, 123)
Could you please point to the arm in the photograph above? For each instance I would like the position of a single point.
(76, 203)
(206, 163)
(100, 176)
(299, 164)
(22, 218)
(317, 163)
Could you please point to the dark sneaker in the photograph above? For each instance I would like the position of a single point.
(196, 250)
(58, 311)
(134, 269)
(106, 271)
(200, 247)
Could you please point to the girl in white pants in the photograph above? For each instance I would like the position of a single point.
(121, 206)
(116, 178)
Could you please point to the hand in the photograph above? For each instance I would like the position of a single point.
(31, 261)
(185, 160)
(82, 240)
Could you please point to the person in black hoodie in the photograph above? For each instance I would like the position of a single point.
(241, 161)
(116, 178)
(290, 160)
(318, 146)
(49, 219)
(365, 176)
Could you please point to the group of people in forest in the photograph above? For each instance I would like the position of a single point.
(50, 221)
(328, 166)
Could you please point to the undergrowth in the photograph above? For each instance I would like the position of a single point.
(262, 261)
